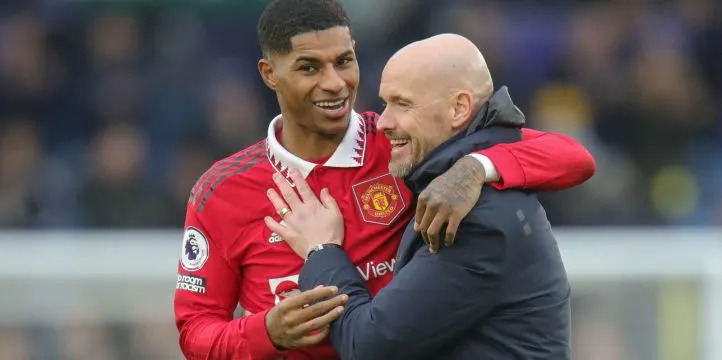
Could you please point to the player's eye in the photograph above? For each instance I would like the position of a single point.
(344, 61)
(307, 68)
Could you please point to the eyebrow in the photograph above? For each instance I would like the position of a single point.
(315, 60)
(345, 54)
(399, 98)
(306, 59)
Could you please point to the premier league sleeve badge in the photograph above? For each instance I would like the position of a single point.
(194, 250)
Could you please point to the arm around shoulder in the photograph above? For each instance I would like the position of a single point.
(541, 161)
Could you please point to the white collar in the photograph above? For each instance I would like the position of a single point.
(349, 153)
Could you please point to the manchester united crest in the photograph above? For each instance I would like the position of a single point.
(379, 199)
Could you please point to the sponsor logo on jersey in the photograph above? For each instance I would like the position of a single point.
(379, 199)
(194, 251)
(274, 238)
(191, 283)
(373, 270)
(284, 287)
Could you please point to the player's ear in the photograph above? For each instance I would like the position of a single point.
(353, 44)
(462, 109)
(265, 68)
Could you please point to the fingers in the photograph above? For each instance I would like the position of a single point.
(320, 316)
(304, 190)
(329, 202)
(420, 211)
(321, 322)
(433, 231)
(322, 307)
(291, 323)
(308, 297)
(313, 339)
(320, 313)
(451, 229)
(429, 215)
(289, 195)
(284, 232)
(276, 200)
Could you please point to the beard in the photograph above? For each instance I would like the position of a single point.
(399, 168)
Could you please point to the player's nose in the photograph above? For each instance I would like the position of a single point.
(331, 81)
(385, 122)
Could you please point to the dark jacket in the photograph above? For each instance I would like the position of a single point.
(500, 292)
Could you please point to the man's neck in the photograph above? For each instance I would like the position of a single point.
(306, 144)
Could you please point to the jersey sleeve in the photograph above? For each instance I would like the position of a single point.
(541, 161)
(206, 296)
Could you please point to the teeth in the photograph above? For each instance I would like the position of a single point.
(398, 142)
(330, 103)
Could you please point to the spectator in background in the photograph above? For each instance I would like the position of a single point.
(115, 196)
(20, 164)
(116, 86)
(24, 72)
(564, 108)
(233, 114)
(193, 159)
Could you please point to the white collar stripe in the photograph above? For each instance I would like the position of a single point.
(350, 152)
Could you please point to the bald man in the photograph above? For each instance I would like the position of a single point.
(501, 291)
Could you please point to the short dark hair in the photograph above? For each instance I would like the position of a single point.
(284, 19)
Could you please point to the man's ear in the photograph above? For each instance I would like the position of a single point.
(462, 111)
(268, 74)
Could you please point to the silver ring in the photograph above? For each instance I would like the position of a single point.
(283, 212)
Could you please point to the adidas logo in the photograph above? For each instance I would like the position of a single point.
(274, 238)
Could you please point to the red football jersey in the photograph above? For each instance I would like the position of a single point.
(230, 257)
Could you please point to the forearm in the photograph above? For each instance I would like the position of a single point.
(387, 326)
(542, 161)
(333, 267)
(211, 337)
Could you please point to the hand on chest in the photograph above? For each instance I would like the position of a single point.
(375, 210)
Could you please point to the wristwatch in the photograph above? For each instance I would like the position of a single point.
(319, 247)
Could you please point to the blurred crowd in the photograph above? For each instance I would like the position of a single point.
(109, 113)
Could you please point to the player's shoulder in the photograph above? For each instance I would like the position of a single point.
(369, 119)
(381, 144)
(231, 176)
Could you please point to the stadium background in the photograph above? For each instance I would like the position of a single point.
(109, 111)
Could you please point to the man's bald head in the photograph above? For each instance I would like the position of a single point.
(443, 63)
(432, 88)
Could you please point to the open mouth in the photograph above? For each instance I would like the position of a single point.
(330, 105)
(333, 108)
(397, 143)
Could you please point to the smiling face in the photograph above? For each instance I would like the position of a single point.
(431, 88)
(416, 118)
(316, 81)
